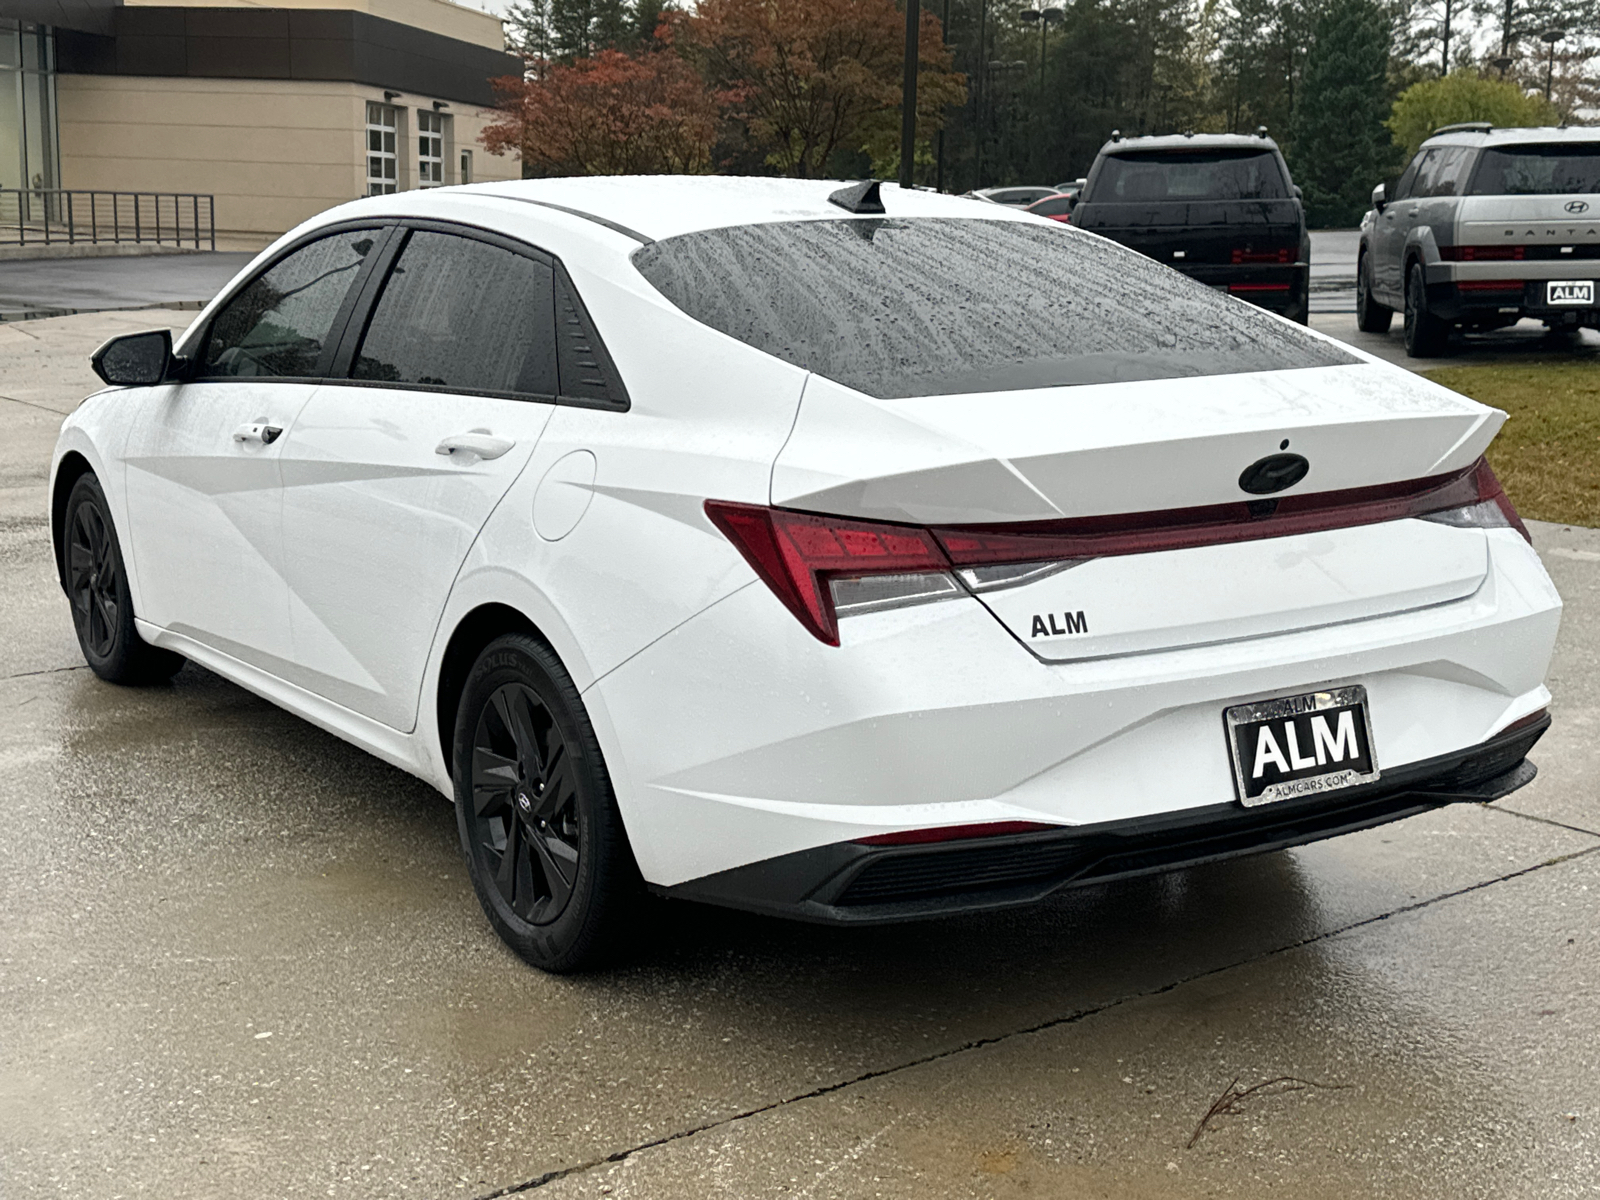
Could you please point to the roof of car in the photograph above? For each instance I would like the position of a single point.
(1188, 141)
(1505, 137)
(661, 206)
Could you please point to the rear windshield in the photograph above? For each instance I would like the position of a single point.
(1550, 170)
(1190, 175)
(933, 307)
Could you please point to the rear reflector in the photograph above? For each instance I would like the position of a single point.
(951, 833)
(1489, 285)
(799, 555)
(1258, 287)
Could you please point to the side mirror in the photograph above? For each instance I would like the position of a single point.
(134, 359)
(1298, 194)
(1380, 196)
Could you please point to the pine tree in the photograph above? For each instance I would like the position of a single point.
(1339, 147)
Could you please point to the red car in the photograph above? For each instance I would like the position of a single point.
(1057, 207)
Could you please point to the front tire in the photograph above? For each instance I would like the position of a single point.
(538, 820)
(1426, 334)
(1371, 317)
(97, 588)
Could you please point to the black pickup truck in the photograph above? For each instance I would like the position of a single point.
(1221, 208)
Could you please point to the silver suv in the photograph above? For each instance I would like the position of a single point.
(1485, 227)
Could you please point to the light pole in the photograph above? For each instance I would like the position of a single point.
(1502, 64)
(1550, 37)
(1043, 18)
(938, 166)
(908, 95)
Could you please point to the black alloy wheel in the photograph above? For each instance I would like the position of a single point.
(1371, 317)
(539, 827)
(1426, 334)
(97, 588)
(525, 804)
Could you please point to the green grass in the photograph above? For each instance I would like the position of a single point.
(1548, 454)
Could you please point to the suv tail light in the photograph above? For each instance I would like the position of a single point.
(1482, 253)
(1281, 255)
(819, 566)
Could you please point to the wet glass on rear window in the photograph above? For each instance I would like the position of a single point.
(1549, 170)
(897, 308)
(1189, 175)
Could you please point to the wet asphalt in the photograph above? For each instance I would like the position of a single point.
(240, 958)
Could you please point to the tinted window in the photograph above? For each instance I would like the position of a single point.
(936, 307)
(1190, 175)
(462, 314)
(1551, 170)
(1408, 179)
(279, 324)
(1448, 173)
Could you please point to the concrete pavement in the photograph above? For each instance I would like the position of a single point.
(238, 957)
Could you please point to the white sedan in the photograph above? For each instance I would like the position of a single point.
(846, 554)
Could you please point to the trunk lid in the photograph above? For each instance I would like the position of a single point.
(1151, 446)
(1195, 232)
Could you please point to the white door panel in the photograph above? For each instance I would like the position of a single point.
(377, 523)
(204, 514)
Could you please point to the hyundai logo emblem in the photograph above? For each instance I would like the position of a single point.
(1577, 206)
(1273, 474)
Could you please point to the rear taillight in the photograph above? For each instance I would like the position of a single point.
(1482, 253)
(820, 567)
(1250, 289)
(801, 557)
(1281, 255)
(1489, 285)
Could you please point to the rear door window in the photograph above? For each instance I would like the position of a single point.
(1554, 169)
(459, 314)
(897, 308)
(1156, 175)
(278, 324)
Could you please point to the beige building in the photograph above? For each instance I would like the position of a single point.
(277, 112)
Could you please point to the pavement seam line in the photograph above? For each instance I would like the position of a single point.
(40, 407)
(45, 671)
(1073, 1018)
(1489, 805)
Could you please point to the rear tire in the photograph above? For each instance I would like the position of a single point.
(1426, 334)
(1371, 317)
(538, 820)
(97, 589)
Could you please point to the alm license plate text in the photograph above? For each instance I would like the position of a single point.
(1569, 291)
(1301, 745)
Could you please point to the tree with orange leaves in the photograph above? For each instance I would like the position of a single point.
(809, 77)
(608, 115)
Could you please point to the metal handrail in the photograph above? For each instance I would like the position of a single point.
(52, 216)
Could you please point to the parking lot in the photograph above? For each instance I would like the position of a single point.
(238, 957)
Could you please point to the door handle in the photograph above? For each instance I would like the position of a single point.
(253, 432)
(479, 441)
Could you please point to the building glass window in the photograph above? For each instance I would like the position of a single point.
(466, 166)
(383, 160)
(430, 148)
(29, 147)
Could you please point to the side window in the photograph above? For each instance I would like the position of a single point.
(1449, 173)
(462, 314)
(1422, 183)
(279, 322)
(1408, 180)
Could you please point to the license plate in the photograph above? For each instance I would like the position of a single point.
(1569, 291)
(1300, 745)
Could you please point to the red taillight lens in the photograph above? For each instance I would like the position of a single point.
(1281, 255)
(796, 553)
(950, 833)
(1251, 288)
(1482, 253)
(1489, 285)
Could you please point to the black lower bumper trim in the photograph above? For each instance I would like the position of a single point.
(849, 883)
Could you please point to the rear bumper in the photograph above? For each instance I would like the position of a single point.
(1514, 290)
(1283, 289)
(852, 884)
